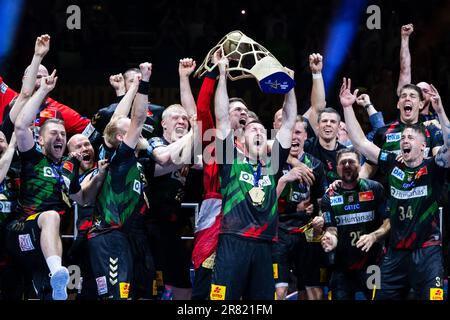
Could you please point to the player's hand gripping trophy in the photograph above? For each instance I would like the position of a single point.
(249, 59)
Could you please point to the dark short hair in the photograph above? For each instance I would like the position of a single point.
(49, 121)
(415, 88)
(417, 127)
(340, 152)
(328, 110)
(251, 122)
(130, 70)
(236, 99)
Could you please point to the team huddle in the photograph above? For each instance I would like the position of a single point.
(316, 204)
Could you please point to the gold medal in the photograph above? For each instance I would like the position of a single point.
(257, 195)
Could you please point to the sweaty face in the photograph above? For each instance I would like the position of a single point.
(299, 136)
(348, 167)
(255, 139)
(409, 105)
(175, 124)
(53, 141)
(412, 145)
(81, 144)
(328, 126)
(238, 115)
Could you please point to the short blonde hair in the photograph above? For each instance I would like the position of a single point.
(112, 129)
(171, 110)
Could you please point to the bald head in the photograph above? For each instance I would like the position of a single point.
(42, 72)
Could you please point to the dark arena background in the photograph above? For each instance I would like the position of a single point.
(358, 39)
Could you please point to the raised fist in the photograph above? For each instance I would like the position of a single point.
(146, 70)
(117, 82)
(407, 29)
(315, 62)
(186, 67)
(363, 100)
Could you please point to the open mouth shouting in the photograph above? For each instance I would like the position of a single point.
(408, 110)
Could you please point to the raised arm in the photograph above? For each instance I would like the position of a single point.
(139, 109)
(318, 101)
(24, 135)
(124, 106)
(173, 153)
(405, 57)
(185, 68)
(7, 156)
(284, 135)
(376, 118)
(443, 156)
(356, 134)
(41, 48)
(118, 83)
(223, 124)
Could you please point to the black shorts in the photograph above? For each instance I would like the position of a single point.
(421, 269)
(171, 256)
(112, 264)
(243, 268)
(202, 284)
(23, 244)
(345, 284)
(292, 251)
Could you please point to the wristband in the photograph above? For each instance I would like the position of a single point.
(368, 105)
(317, 75)
(144, 87)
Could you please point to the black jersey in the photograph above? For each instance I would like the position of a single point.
(328, 157)
(290, 219)
(354, 213)
(166, 192)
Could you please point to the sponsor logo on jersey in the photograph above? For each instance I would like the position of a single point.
(5, 206)
(422, 171)
(393, 137)
(399, 174)
(50, 114)
(436, 294)
(366, 196)
(88, 130)
(355, 206)
(48, 172)
(351, 199)
(275, 270)
(3, 87)
(217, 292)
(383, 156)
(102, 287)
(68, 166)
(409, 194)
(355, 218)
(264, 181)
(296, 196)
(336, 201)
(137, 186)
(124, 290)
(327, 217)
(25, 242)
(248, 178)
